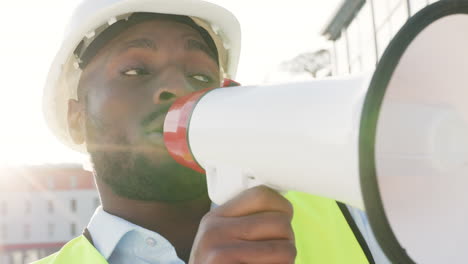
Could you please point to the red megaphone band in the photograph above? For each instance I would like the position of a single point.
(176, 127)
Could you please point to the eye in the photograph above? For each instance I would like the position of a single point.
(135, 72)
(201, 78)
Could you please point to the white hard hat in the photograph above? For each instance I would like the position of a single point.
(93, 16)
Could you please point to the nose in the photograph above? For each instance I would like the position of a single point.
(170, 85)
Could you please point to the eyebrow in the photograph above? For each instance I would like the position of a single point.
(139, 43)
(193, 44)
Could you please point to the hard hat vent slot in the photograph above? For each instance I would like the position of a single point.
(90, 34)
(226, 45)
(215, 28)
(112, 20)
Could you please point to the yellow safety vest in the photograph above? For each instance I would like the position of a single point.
(322, 234)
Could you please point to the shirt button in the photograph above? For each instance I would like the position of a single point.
(151, 242)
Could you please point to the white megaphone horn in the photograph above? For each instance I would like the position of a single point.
(394, 143)
(288, 137)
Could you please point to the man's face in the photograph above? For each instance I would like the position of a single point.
(126, 91)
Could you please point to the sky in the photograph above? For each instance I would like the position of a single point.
(272, 32)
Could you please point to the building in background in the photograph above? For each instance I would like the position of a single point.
(41, 208)
(360, 30)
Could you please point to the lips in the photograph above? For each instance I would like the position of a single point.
(155, 126)
(154, 121)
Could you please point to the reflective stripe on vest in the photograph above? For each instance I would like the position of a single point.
(321, 231)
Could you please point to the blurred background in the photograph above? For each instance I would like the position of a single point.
(46, 194)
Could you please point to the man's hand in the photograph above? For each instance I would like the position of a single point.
(253, 227)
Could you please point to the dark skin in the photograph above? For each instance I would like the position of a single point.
(142, 71)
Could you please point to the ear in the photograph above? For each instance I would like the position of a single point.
(76, 121)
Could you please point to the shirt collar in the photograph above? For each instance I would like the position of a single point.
(107, 230)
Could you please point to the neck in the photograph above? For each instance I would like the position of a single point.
(177, 222)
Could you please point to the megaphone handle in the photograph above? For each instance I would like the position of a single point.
(225, 183)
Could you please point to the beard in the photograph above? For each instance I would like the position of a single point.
(131, 174)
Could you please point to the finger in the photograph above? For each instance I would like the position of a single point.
(260, 252)
(261, 226)
(254, 200)
(256, 227)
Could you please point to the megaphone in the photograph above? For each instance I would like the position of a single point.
(394, 142)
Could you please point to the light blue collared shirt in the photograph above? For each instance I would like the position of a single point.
(120, 241)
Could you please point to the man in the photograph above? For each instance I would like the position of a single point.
(119, 69)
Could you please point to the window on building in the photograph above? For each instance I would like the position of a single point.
(4, 232)
(73, 229)
(50, 206)
(389, 16)
(383, 38)
(354, 45)
(355, 66)
(27, 231)
(393, 4)
(30, 255)
(416, 5)
(399, 16)
(73, 181)
(27, 207)
(50, 182)
(73, 205)
(381, 11)
(4, 208)
(368, 49)
(50, 229)
(341, 54)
